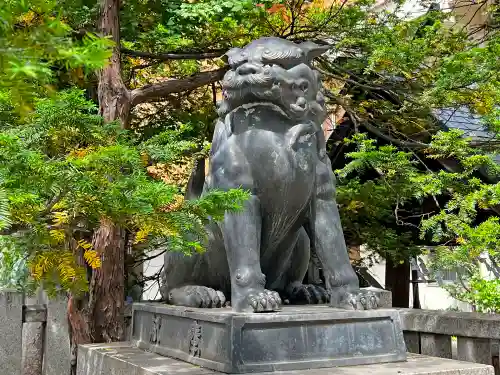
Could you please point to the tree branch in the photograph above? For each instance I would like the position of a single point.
(371, 128)
(158, 90)
(12, 230)
(56, 199)
(411, 145)
(19, 227)
(174, 56)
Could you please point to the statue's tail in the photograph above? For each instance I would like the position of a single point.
(194, 187)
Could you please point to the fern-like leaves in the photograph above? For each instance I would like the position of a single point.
(90, 255)
(57, 270)
(5, 221)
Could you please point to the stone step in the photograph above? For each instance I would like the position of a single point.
(124, 359)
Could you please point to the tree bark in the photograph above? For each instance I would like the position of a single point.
(99, 316)
(107, 286)
(114, 97)
(162, 89)
(397, 280)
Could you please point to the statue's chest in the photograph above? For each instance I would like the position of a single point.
(283, 160)
(284, 176)
(291, 165)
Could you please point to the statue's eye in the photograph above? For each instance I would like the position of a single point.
(302, 85)
(268, 61)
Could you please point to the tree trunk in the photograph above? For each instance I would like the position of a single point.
(114, 97)
(99, 317)
(107, 286)
(397, 280)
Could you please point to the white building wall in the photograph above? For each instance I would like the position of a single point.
(151, 267)
(431, 295)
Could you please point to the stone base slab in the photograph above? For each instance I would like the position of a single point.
(124, 359)
(296, 338)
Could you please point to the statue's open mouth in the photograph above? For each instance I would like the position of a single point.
(299, 106)
(263, 95)
(262, 83)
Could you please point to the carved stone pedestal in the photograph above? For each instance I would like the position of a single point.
(297, 338)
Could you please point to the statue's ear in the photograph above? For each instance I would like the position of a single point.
(313, 50)
(231, 56)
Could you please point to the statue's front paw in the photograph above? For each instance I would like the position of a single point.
(196, 296)
(299, 293)
(258, 301)
(353, 300)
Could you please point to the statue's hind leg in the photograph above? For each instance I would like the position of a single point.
(196, 296)
(199, 280)
(296, 292)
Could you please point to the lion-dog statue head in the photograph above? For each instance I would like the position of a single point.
(278, 72)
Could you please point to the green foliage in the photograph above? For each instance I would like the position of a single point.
(33, 41)
(403, 183)
(169, 144)
(369, 207)
(63, 170)
(483, 294)
(172, 25)
(4, 210)
(14, 271)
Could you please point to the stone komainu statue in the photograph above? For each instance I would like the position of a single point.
(268, 140)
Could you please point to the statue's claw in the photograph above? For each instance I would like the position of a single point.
(307, 294)
(367, 301)
(275, 301)
(222, 298)
(196, 296)
(354, 300)
(267, 300)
